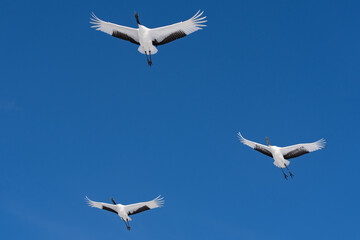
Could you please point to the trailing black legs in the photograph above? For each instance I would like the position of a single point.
(284, 174)
(147, 58)
(291, 175)
(127, 224)
(286, 177)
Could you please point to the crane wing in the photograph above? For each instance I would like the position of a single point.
(257, 146)
(301, 149)
(144, 206)
(118, 31)
(175, 31)
(101, 205)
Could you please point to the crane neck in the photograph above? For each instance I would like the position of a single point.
(267, 140)
(137, 18)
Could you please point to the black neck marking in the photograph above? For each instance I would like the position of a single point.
(137, 18)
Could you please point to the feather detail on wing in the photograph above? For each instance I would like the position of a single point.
(303, 148)
(101, 205)
(144, 206)
(257, 146)
(118, 31)
(175, 31)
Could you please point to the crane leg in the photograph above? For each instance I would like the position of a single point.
(284, 174)
(291, 175)
(147, 58)
(127, 225)
(150, 63)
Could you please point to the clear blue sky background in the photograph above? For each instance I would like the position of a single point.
(81, 114)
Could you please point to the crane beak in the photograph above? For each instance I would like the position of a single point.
(113, 201)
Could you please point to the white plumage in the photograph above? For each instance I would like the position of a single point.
(124, 211)
(282, 154)
(148, 38)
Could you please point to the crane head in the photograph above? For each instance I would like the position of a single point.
(137, 18)
(267, 140)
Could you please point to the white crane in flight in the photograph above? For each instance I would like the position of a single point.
(150, 38)
(282, 154)
(124, 211)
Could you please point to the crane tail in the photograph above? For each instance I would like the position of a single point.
(153, 50)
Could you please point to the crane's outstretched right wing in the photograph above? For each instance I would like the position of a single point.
(118, 31)
(144, 206)
(257, 146)
(101, 205)
(301, 149)
(175, 31)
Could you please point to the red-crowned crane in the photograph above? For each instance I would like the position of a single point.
(150, 38)
(282, 154)
(124, 211)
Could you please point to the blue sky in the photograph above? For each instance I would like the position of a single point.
(81, 114)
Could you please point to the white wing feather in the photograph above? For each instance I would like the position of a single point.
(110, 28)
(100, 205)
(251, 143)
(309, 147)
(189, 26)
(256, 146)
(155, 203)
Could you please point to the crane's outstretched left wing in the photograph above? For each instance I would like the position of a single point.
(256, 146)
(301, 149)
(118, 31)
(175, 31)
(101, 205)
(144, 206)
